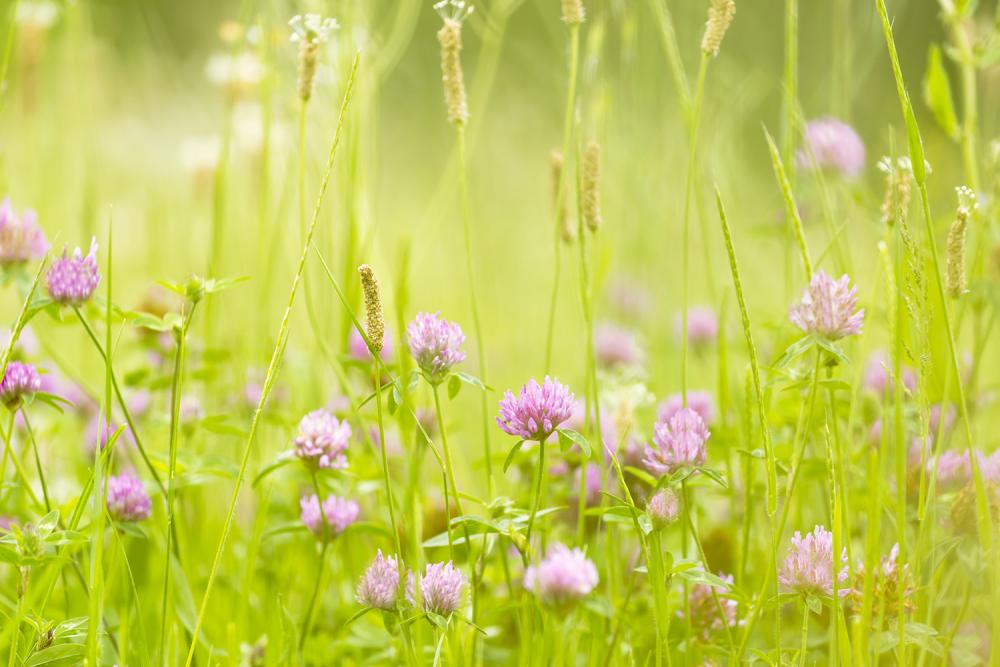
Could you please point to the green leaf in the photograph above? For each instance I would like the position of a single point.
(58, 654)
(569, 437)
(471, 379)
(715, 476)
(454, 386)
(512, 453)
(937, 93)
(814, 604)
(795, 350)
(283, 459)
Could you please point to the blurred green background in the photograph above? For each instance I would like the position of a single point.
(109, 114)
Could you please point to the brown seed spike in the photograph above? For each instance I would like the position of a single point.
(373, 307)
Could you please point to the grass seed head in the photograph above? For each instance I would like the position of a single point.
(720, 15)
(573, 12)
(592, 185)
(373, 307)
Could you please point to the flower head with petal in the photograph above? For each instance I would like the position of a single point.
(537, 412)
(379, 585)
(678, 442)
(127, 498)
(338, 512)
(808, 567)
(72, 279)
(322, 440)
(436, 344)
(829, 308)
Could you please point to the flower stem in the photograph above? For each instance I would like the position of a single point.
(38, 461)
(574, 57)
(476, 322)
(175, 390)
(325, 537)
(539, 477)
(805, 636)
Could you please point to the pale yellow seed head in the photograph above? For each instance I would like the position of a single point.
(308, 54)
(956, 243)
(720, 15)
(592, 185)
(450, 38)
(373, 307)
(573, 12)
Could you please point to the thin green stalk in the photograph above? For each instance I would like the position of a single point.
(8, 47)
(772, 476)
(791, 209)
(805, 636)
(476, 322)
(458, 502)
(326, 536)
(38, 461)
(666, 24)
(6, 449)
(983, 521)
(539, 477)
(798, 446)
(96, 611)
(272, 370)
(122, 404)
(574, 57)
(175, 399)
(790, 102)
(695, 122)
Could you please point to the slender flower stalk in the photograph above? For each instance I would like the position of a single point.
(180, 338)
(453, 13)
(271, 374)
(560, 188)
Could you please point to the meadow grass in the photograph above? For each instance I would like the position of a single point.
(587, 369)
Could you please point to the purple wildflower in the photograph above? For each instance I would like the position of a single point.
(339, 513)
(537, 412)
(663, 508)
(127, 498)
(436, 344)
(20, 381)
(72, 279)
(828, 308)
(678, 442)
(808, 567)
(564, 576)
(442, 588)
(21, 239)
(379, 584)
(702, 326)
(705, 616)
(833, 144)
(322, 440)
(615, 347)
(699, 401)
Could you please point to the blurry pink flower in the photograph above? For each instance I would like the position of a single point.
(702, 326)
(615, 347)
(833, 144)
(338, 512)
(562, 577)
